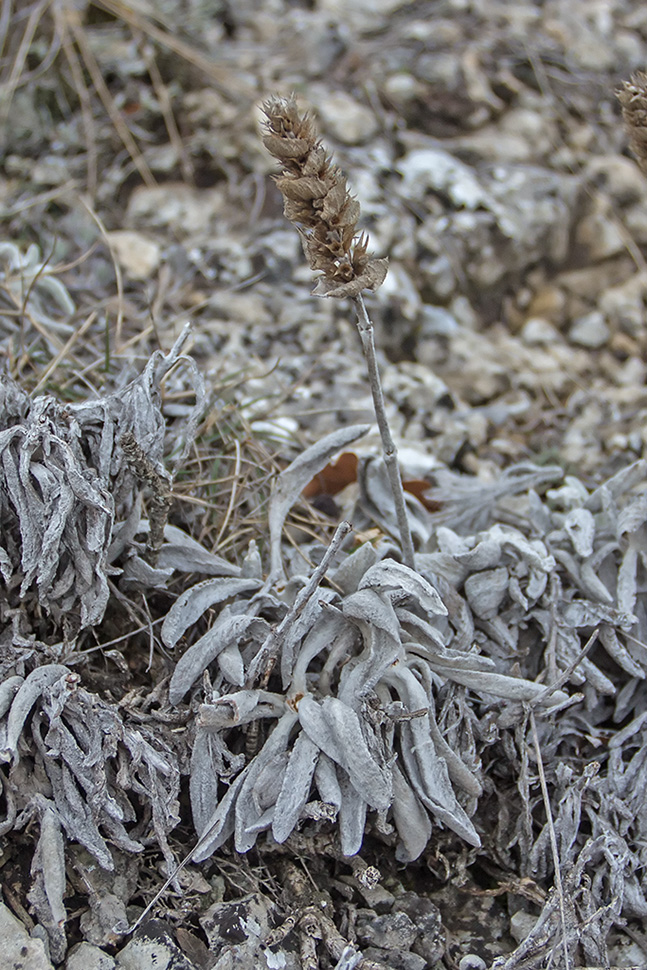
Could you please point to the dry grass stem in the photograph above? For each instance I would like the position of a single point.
(554, 848)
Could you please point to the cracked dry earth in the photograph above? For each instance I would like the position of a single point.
(484, 142)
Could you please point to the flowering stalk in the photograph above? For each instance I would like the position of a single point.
(316, 200)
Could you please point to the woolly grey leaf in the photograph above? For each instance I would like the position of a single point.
(485, 591)
(330, 625)
(531, 551)
(198, 657)
(248, 809)
(138, 574)
(579, 524)
(295, 633)
(420, 629)
(359, 677)
(592, 585)
(411, 819)
(186, 555)
(296, 787)
(327, 781)
(458, 771)
(50, 858)
(27, 695)
(368, 607)
(429, 780)
(189, 607)
(497, 685)
(352, 816)
(347, 577)
(76, 816)
(48, 879)
(231, 665)
(632, 516)
(220, 825)
(627, 583)
(623, 481)
(252, 566)
(291, 482)
(486, 554)
(6, 565)
(336, 729)
(391, 575)
(595, 678)
(8, 689)
(536, 584)
(203, 785)
(124, 533)
(427, 770)
(583, 613)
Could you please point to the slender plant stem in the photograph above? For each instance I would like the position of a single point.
(365, 327)
(266, 656)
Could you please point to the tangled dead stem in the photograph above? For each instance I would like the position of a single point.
(339, 748)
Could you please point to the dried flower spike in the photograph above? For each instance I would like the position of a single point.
(633, 99)
(317, 201)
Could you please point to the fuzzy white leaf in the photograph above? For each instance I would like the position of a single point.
(327, 781)
(296, 787)
(427, 770)
(349, 575)
(198, 657)
(485, 591)
(296, 476)
(8, 690)
(26, 696)
(51, 857)
(221, 823)
(335, 728)
(367, 606)
(411, 819)
(391, 575)
(330, 625)
(231, 665)
(248, 808)
(579, 524)
(352, 816)
(190, 606)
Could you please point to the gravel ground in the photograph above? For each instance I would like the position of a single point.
(484, 142)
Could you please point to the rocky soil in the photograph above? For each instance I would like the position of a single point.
(483, 140)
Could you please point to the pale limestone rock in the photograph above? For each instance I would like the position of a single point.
(85, 956)
(590, 330)
(20, 951)
(346, 119)
(137, 255)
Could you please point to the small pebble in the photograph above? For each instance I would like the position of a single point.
(589, 331)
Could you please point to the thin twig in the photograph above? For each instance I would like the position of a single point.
(553, 841)
(389, 450)
(268, 652)
(566, 674)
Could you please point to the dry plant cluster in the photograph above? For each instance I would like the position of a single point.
(470, 682)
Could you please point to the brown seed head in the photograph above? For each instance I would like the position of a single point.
(317, 201)
(633, 98)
